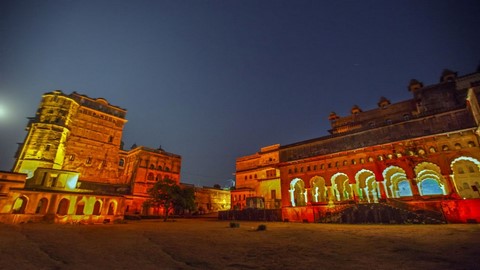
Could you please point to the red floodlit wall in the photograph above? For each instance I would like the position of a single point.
(462, 211)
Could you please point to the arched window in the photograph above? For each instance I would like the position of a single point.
(152, 166)
(19, 205)
(445, 148)
(42, 206)
(121, 163)
(80, 208)
(159, 168)
(471, 144)
(150, 176)
(97, 208)
(111, 208)
(432, 150)
(63, 207)
(458, 146)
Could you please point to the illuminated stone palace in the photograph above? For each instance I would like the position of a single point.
(420, 155)
(71, 166)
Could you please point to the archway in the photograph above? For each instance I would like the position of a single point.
(367, 185)
(297, 192)
(318, 189)
(112, 206)
(396, 182)
(430, 180)
(19, 205)
(80, 208)
(97, 208)
(42, 206)
(466, 177)
(63, 206)
(341, 187)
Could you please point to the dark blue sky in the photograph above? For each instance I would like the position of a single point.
(216, 80)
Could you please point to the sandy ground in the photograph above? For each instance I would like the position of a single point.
(212, 244)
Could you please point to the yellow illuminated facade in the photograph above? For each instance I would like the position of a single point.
(71, 167)
(257, 176)
(208, 200)
(74, 132)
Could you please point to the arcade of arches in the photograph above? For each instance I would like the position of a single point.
(425, 180)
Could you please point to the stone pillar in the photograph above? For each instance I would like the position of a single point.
(330, 194)
(292, 196)
(367, 194)
(414, 186)
(354, 189)
(308, 196)
(384, 185)
(450, 185)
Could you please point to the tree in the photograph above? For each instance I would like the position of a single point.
(168, 195)
(185, 200)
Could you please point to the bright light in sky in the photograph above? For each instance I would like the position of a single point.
(3, 111)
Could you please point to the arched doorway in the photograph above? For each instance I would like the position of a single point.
(19, 205)
(367, 186)
(80, 208)
(42, 206)
(97, 207)
(430, 180)
(396, 183)
(341, 187)
(63, 206)
(318, 189)
(112, 207)
(297, 192)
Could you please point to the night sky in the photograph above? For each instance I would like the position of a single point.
(217, 80)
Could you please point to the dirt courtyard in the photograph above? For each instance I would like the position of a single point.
(212, 244)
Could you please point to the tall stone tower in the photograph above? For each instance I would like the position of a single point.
(73, 132)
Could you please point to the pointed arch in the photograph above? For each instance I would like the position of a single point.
(341, 186)
(396, 182)
(367, 185)
(430, 179)
(19, 205)
(63, 206)
(112, 207)
(97, 208)
(297, 192)
(80, 207)
(318, 189)
(42, 206)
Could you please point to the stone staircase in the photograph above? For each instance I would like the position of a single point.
(381, 213)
